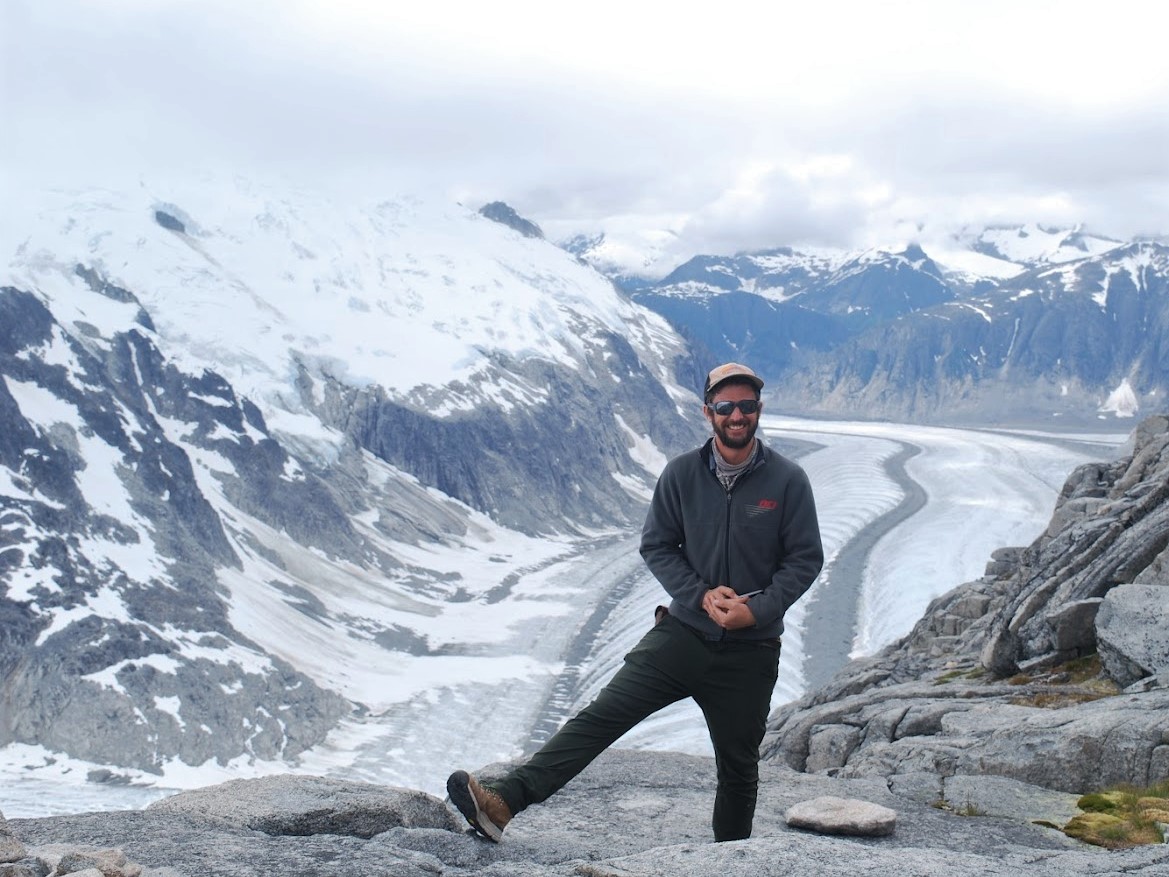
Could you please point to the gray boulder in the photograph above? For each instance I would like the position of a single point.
(1132, 630)
(303, 805)
(85, 861)
(831, 815)
(11, 849)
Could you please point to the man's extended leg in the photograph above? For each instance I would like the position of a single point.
(656, 673)
(736, 699)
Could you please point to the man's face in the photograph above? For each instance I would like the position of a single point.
(734, 430)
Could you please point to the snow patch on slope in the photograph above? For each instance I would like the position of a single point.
(1122, 401)
(411, 295)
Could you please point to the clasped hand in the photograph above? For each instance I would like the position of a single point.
(727, 609)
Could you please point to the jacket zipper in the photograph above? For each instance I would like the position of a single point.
(727, 538)
(727, 526)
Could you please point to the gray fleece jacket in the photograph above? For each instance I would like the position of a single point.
(761, 535)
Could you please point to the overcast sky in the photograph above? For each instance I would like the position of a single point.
(735, 125)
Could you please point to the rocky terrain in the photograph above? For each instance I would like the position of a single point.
(643, 814)
(1052, 669)
(971, 741)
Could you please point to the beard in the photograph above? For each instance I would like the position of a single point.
(737, 440)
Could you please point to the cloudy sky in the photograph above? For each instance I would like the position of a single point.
(732, 125)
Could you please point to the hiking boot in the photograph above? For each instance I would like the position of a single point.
(487, 812)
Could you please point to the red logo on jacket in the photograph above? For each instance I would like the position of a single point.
(762, 507)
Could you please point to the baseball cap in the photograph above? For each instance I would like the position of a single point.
(729, 370)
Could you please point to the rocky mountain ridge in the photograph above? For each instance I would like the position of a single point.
(1011, 326)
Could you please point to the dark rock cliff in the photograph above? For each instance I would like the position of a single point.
(97, 609)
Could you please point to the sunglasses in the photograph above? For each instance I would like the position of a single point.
(724, 408)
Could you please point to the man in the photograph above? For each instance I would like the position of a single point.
(732, 536)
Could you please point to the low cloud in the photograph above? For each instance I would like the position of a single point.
(827, 136)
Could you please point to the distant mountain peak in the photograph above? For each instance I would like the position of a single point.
(1036, 244)
(914, 253)
(501, 212)
(638, 257)
(581, 244)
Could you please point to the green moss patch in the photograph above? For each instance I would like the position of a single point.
(1121, 817)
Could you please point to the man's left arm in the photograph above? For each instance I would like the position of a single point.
(803, 553)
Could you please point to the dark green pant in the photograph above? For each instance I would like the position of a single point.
(730, 681)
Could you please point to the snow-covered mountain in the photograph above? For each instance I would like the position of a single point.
(632, 257)
(1004, 325)
(1033, 245)
(259, 448)
(640, 256)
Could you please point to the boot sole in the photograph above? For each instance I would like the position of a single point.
(459, 788)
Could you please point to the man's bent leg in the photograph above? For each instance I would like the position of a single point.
(652, 677)
(736, 701)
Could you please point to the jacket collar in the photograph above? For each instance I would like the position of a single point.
(706, 452)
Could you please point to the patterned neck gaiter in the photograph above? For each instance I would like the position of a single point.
(727, 473)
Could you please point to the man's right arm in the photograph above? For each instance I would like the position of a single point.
(662, 540)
